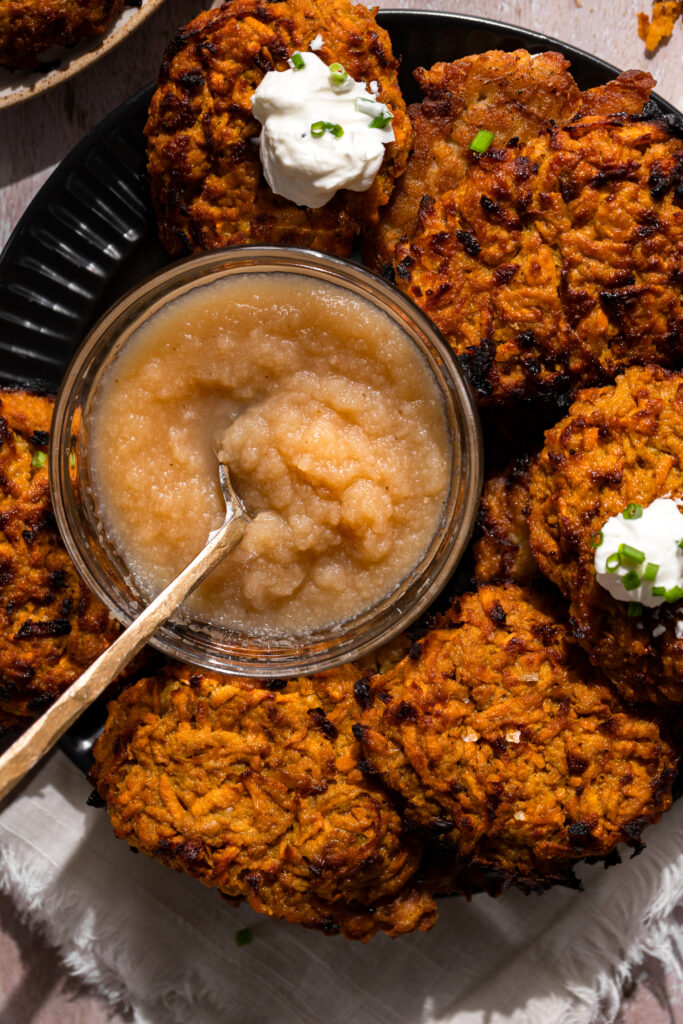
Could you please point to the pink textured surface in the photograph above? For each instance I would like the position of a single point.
(34, 987)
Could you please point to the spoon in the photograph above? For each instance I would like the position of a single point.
(45, 731)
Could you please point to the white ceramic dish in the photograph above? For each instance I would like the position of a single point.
(65, 62)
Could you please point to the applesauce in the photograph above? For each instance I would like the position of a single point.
(332, 425)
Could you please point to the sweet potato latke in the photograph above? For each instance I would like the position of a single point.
(491, 755)
(501, 740)
(511, 94)
(501, 554)
(204, 167)
(51, 626)
(28, 27)
(257, 793)
(618, 444)
(556, 261)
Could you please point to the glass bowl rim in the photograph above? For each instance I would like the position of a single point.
(96, 351)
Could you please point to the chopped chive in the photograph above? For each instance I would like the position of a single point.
(680, 543)
(72, 460)
(39, 460)
(320, 127)
(244, 936)
(659, 591)
(613, 562)
(635, 609)
(633, 510)
(382, 120)
(651, 570)
(674, 594)
(365, 105)
(626, 551)
(297, 60)
(632, 580)
(338, 74)
(596, 540)
(481, 141)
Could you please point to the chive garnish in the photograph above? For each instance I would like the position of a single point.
(338, 74)
(635, 609)
(659, 591)
(613, 562)
(633, 510)
(367, 106)
(297, 60)
(72, 460)
(680, 543)
(674, 594)
(382, 120)
(651, 570)
(39, 460)
(626, 551)
(244, 936)
(596, 540)
(481, 141)
(320, 127)
(632, 580)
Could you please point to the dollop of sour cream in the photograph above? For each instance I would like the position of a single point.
(653, 532)
(307, 168)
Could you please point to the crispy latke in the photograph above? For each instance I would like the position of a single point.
(204, 166)
(257, 793)
(509, 94)
(618, 444)
(558, 263)
(51, 626)
(626, 94)
(28, 27)
(501, 553)
(501, 740)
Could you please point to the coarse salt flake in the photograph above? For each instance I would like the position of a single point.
(317, 43)
(514, 736)
(658, 630)
(679, 629)
(520, 816)
(470, 737)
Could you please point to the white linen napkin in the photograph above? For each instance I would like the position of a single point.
(166, 946)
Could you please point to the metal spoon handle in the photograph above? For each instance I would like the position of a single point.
(44, 733)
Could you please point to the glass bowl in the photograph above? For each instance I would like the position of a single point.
(220, 648)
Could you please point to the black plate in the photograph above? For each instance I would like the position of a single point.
(89, 234)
